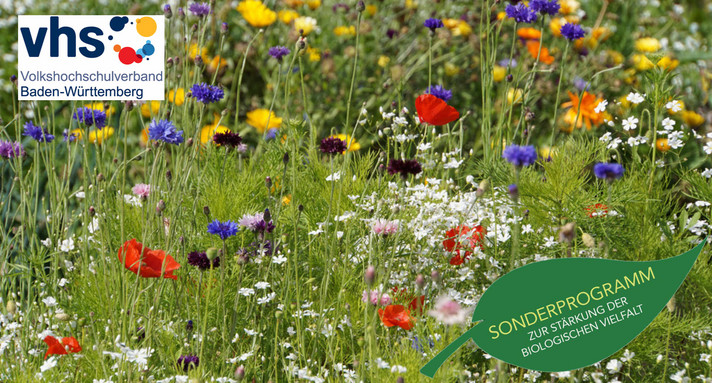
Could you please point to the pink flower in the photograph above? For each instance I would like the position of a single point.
(141, 190)
(385, 227)
(449, 311)
(375, 298)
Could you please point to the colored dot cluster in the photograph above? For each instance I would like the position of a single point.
(146, 27)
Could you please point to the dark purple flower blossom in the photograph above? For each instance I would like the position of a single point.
(37, 133)
(338, 6)
(189, 325)
(520, 13)
(278, 52)
(207, 93)
(167, 11)
(163, 130)
(187, 362)
(200, 9)
(68, 136)
(391, 33)
(271, 134)
(550, 7)
(90, 117)
(513, 190)
(404, 167)
(200, 260)
(9, 149)
(439, 92)
(223, 229)
(433, 24)
(608, 171)
(520, 155)
(227, 139)
(332, 145)
(572, 31)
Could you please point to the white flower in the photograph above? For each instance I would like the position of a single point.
(606, 137)
(48, 364)
(448, 311)
(424, 146)
(334, 177)
(266, 299)
(635, 141)
(635, 98)
(614, 144)
(262, 285)
(614, 366)
(50, 301)
(674, 106)
(679, 376)
(279, 259)
(246, 291)
(675, 142)
(601, 107)
(707, 173)
(181, 378)
(453, 164)
(46, 242)
(708, 147)
(668, 123)
(630, 123)
(67, 245)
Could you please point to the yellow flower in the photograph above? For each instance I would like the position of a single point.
(498, 73)
(287, 15)
(682, 108)
(647, 44)
(150, 108)
(100, 135)
(458, 27)
(314, 54)
(305, 24)
(569, 6)
(615, 56)
(217, 63)
(501, 16)
(194, 51)
(78, 134)
(286, 199)
(383, 61)
(258, 120)
(514, 96)
(411, 4)
(314, 4)
(662, 145)
(668, 63)
(692, 119)
(294, 3)
(350, 143)
(100, 106)
(176, 96)
(208, 131)
(343, 30)
(547, 152)
(371, 9)
(451, 69)
(642, 62)
(256, 13)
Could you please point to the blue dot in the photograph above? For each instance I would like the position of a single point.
(117, 23)
(140, 53)
(111, 37)
(148, 49)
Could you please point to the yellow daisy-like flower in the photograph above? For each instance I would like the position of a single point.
(371, 9)
(351, 144)
(217, 63)
(662, 144)
(343, 30)
(287, 15)
(176, 96)
(498, 73)
(256, 13)
(258, 120)
(150, 108)
(458, 27)
(642, 62)
(514, 96)
(314, 54)
(100, 106)
(314, 4)
(569, 6)
(667, 63)
(692, 119)
(647, 44)
(615, 56)
(411, 4)
(547, 152)
(286, 200)
(100, 135)
(193, 51)
(383, 61)
(305, 24)
(294, 3)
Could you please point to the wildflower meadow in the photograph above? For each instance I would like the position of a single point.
(328, 188)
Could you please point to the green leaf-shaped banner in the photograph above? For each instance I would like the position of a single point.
(564, 314)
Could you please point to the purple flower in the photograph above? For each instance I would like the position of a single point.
(9, 149)
(608, 171)
(200, 9)
(227, 139)
(163, 130)
(433, 24)
(256, 223)
(439, 92)
(391, 33)
(572, 31)
(224, 229)
(90, 117)
(278, 52)
(332, 145)
(508, 63)
(187, 362)
(37, 133)
(200, 260)
(545, 7)
(207, 93)
(68, 136)
(520, 155)
(513, 190)
(404, 167)
(271, 134)
(167, 11)
(580, 83)
(520, 13)
(189, 325)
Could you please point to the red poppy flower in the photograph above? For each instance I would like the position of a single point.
(463, 238)
(435, 111)
(68, 344)
(146, 262)
(396, 315)
(597, 210)
(417, 304)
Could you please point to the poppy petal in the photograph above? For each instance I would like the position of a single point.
(435, 111)
(55, 348)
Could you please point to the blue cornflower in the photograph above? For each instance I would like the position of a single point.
(433, 24)
(520, 155)
(90, 117)
(278, 52)
(440, 92)
(37, 133)
(508, 63)
(545, 7)
(188, 362)
(224, 229)
(271, 134)
(9, 149)
(520, 13)
(163, 130)
(200, 9)
(207, 93)
(572, 31)
(581, 84)
(608, 171)
(68, 136)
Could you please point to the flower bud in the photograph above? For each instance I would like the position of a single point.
(509, 78)
(211, 253)
(482, 188)
(588, 240)
(92, 211)
(198, 60)
(160, 206)
(224, 28)
(360, 6)
(268, 182)
(13, 78)
(206, 211)
(285, 159)
(267, 216)
(301, 43)
(566, 232)
(300, 207)
(169, 62)
(514, 192)
(420, 281)
(169, 175)
(181, 13)
(370, 275)
(435, 275)
(400, 380)
(167, 11)
(11, 307)
(62, 317)
(189, 142)
(240, 373)
(100, 177)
